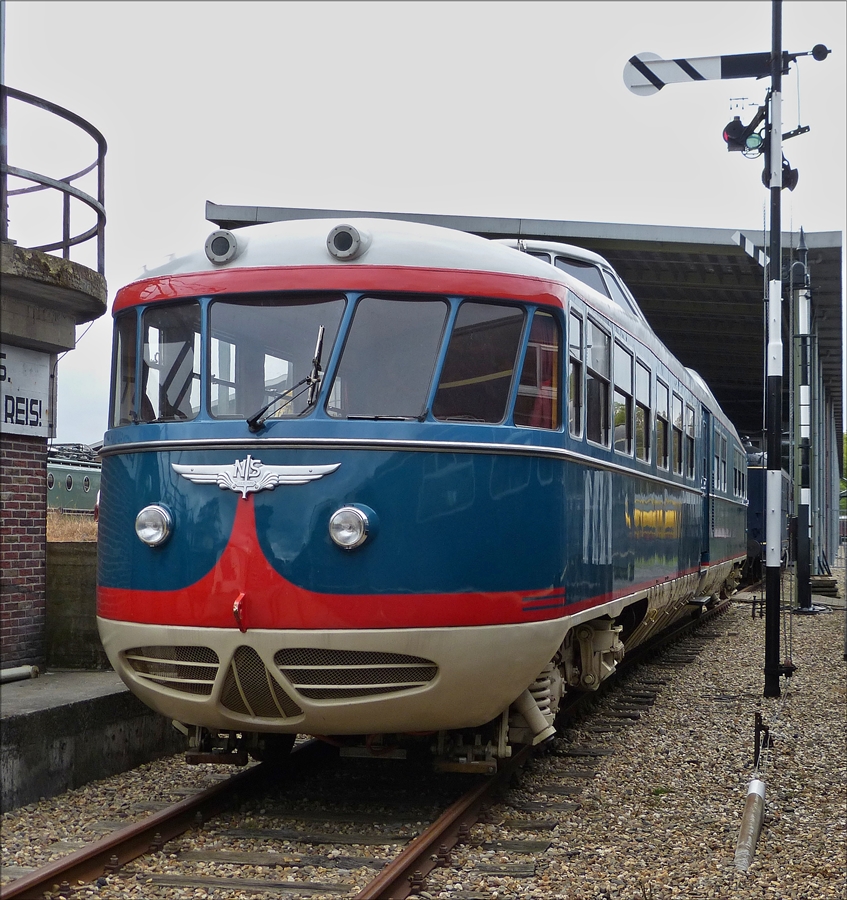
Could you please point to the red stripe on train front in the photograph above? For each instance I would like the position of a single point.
(244, 590)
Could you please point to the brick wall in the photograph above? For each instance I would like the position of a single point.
(23, 550)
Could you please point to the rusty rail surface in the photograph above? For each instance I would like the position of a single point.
(431, 847)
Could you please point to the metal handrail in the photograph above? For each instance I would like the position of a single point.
(63, 185)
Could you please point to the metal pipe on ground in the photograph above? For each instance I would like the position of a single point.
(18, 673)
(751, 825)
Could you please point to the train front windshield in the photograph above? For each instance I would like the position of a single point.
(260, 351)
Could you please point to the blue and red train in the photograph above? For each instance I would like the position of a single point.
(373, 480)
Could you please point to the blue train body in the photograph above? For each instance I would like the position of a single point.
(478, 486)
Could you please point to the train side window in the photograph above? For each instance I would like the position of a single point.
(662, 425)
(690, 423)
(476, 379)
(69, 482)
(537, 403)
(597, 380)
(261, 351)
(616, 293)
(123, 370)
(643, 425)
(676, 433)
(170, 373)
(575, 375)
(586, 272)
(50, 481)
(622, 402)
(389, 358)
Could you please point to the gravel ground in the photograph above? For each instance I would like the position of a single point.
(659, 818)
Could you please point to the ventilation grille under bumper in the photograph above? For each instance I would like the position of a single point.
(251, 690)
(345, 674)
(188, 669)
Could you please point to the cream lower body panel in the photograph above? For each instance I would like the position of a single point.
(478, 672)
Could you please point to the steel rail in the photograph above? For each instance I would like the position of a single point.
(122, 846)
(406, 873)
(427, 850)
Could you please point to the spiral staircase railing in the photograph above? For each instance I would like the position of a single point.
(65, 186)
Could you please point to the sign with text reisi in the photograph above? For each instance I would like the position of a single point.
(24, 391)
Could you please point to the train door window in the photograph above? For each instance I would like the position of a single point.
(123, 370)
(261, 351)
(575, 375)
(622, 401)
(643, 425)
(597, 379)
(389, 358)
(716, 472)
(537, 403)
(587, 273)
(676, 433)
(662, 425)
(690, 424)
(170, 372)
(476, 380)
(723, 463)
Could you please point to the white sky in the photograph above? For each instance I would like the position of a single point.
(479, 108)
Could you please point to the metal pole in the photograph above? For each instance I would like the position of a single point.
(4, 202)
(773, 530)
(804, 524)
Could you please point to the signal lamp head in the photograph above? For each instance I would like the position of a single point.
(790, 176)
(733, 134)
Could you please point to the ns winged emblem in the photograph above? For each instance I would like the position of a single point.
(246, 476)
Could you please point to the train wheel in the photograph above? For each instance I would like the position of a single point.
(273, 748)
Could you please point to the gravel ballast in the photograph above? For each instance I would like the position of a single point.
(658, 818)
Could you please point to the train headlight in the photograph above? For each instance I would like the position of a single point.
(153, 525)
(223, 246)
(347, 242)
(350, 526)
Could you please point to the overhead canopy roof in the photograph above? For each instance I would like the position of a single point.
(701, 289)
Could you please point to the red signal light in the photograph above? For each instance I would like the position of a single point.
(734, 134)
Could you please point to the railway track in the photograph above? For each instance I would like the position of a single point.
(411, 829)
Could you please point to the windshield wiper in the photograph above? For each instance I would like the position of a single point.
(388, 418)
(313, 380)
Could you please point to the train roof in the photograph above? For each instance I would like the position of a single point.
(386, 242)
(398, 243)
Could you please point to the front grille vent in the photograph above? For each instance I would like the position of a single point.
(191, 670)
(250, 689)
(345, 674)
